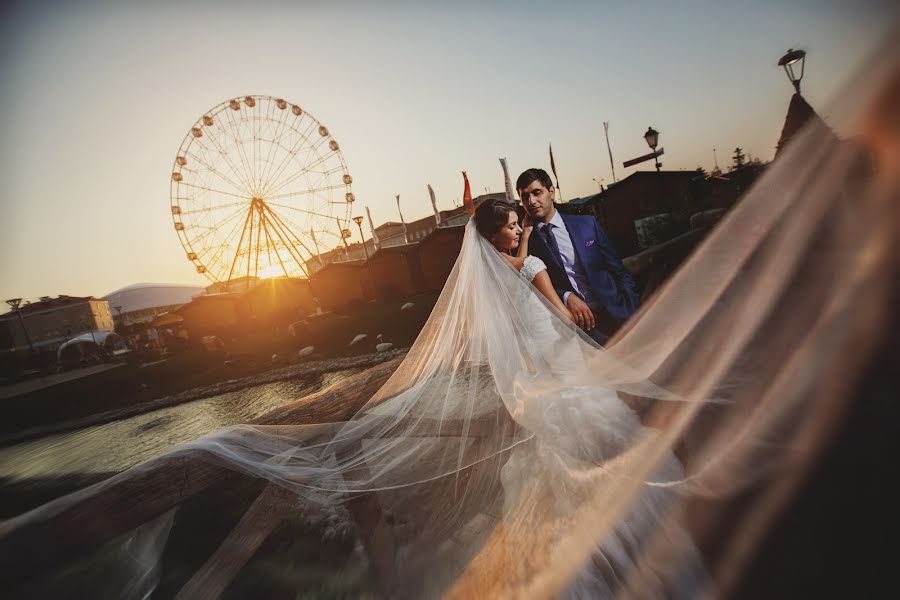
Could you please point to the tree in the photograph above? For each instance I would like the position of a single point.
(738, 159)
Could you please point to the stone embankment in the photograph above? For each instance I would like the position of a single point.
(294, 371)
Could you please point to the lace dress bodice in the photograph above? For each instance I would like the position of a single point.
(531, 267)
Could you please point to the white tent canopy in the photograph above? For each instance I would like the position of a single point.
(106, 339)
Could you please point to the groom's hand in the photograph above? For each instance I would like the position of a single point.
(581, 312)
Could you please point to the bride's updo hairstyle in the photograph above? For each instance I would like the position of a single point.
(491, 215)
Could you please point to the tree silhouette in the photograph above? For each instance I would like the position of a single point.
(738, 159)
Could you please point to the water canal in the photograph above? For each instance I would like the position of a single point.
(117, 446)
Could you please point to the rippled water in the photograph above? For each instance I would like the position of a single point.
(116, 446)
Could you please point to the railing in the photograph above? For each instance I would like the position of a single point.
(653, 266)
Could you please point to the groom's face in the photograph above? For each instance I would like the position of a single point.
(538, 201)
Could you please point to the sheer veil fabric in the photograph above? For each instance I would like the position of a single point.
(510, 456)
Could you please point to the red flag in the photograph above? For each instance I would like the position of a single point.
(553, 167)
(467, 196)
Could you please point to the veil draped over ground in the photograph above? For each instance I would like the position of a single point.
(509, 456)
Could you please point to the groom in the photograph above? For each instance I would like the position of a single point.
(581, 261)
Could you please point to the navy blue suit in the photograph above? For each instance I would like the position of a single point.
(613, 289)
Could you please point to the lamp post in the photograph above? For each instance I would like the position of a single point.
(652, 137)
(358, 221)
(791, 58)
(14, 304)
(121, 320)
(599, 185)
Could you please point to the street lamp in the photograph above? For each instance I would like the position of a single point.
(788, 61)
(358, 221)
(599, 185)
(121, 320)
(14, 304)
(652, 137)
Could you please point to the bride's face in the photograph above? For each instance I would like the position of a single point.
(508, 236)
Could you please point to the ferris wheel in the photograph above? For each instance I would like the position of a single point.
(258, 188)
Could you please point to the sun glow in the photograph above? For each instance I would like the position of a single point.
(271, 271)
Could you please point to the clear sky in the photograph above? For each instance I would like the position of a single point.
(97, 96)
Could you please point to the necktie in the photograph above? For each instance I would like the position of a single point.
(551, 241)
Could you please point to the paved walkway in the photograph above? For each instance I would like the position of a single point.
(40, 382)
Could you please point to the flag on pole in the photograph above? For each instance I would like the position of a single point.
(312, 234)
(467, 196)
(437, 214)
(555, 176)
(553, 167)
(372, 229)
(405, 237)
(510, 197)
(612, 165)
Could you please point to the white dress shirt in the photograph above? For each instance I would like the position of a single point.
(571, 264)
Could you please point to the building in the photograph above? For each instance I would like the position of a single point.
(280, 300)
(419, 228)
(491, 196)
(390, 234)
(214, 314)
(643, 209)
(454, 217)
(142, 302)
(799, 114)
(52, 321)
(341, 284)
(315, 263)
(648, 208)
(395, 273)
(238, 284)
(437, 255)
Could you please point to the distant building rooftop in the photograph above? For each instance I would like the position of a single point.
(47, 303)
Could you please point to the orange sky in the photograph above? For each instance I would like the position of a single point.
(97, 98)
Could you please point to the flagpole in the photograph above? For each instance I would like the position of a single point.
(510, 197)
(555, 176)
(312, 234)
(372, 228)
(612, 165)
(405, 237)
(437, 214)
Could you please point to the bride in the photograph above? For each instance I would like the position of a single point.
(602, 428)
(498, 222)
(508, 456)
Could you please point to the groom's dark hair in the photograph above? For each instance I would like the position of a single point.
(530, 175)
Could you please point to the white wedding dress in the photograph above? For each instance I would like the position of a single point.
(508, 456)
(599, 426)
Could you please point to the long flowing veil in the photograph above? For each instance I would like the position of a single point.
(508, 455)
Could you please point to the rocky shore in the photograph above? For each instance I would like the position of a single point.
(286, 373)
